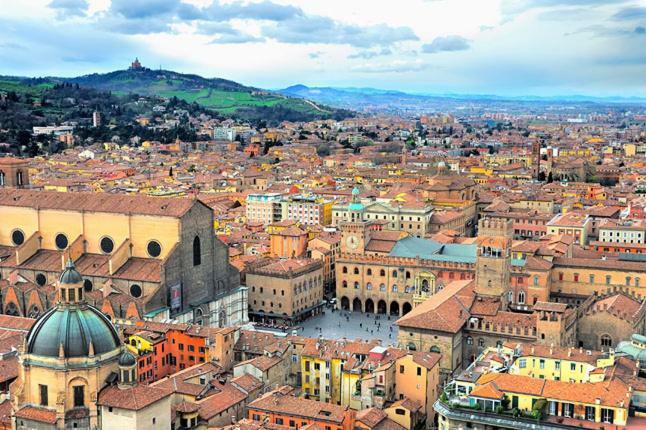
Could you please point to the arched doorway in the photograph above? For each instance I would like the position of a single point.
(345, 303)
(406, 308)
(381, 307)
(370, 306)
(394, 308)
(356, 305)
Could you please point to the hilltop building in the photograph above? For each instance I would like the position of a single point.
(136, 65)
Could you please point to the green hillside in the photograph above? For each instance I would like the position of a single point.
(226, 97)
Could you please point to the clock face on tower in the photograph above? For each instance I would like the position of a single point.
(352, 242)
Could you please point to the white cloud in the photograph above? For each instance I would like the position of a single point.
(514, 46)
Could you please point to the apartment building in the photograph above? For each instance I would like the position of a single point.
(519, 386)
(264, 208)
(307, 210)
(623, 232)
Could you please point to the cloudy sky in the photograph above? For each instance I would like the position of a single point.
(507, 47)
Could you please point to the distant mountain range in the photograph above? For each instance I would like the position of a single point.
(378, 99)
(224, 96)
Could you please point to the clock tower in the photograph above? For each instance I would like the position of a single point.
(354, 232)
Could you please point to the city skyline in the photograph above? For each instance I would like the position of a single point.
(501, 47)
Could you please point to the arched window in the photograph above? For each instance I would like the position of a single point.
(1, 178)
(394, 273)
(197, 251)
(521, 297)
(382, 287)
(606, 341)
(344, 270)
(469, 340)
(12, 309)
(394, 288)
(368, 286)
(356, 285)
(407, 274)
(19, 178)
(356, 270)
(435, 348)
(481, 342)
(382, 272)
(369, 272)
(345, 284)
(510, 297)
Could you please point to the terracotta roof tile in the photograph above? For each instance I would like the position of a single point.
(132, 398)
(33, 413)
(96, 202)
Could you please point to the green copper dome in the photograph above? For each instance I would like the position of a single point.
(75, 328)
(70, 275)
(127, 359)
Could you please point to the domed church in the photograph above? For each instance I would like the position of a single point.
(71, 353)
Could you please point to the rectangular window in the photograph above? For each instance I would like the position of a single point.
(541, 363)
(557, 365)
(589, 413)
(568, 409)
(573, 366)
(607, 415)
(401, 369)
(79, 396)
(419, 371)
(522, 363)
(552, 408)
(43, 395)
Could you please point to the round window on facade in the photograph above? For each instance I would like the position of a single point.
(61, 241)
(135, 290)
(107, 245)
(87, 285)
(41, 279)
(18, 237)
(154, 248)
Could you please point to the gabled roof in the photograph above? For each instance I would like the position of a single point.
(97, 202)
(447, 310)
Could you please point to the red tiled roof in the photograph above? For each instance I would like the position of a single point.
(447, 310)
(33, 413)
(132, 398)
(96, 202)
